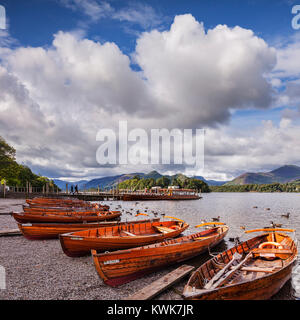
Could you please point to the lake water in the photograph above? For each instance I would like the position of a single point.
(236, 210)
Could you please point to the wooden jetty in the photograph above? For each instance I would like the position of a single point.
(104, 195)
(162, 283)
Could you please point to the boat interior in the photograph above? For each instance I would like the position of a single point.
(133, 229)
(248, 261)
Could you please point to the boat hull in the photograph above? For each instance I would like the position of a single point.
(43, 231)
(120, 267)
(60, 218)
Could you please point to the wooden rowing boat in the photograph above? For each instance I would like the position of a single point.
(252, 270)
(53, 202)
(42, 231)
(63, 210)
(41, 207)
(119, 267)
(119, 237)
(70, 217)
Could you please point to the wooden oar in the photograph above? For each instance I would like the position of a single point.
(141, 214)
(174, 218)
(223, 280)
(209, 223)
(217, 276)
(270, 230)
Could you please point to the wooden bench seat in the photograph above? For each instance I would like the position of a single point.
(129, 233)
(163, 229)
(269, 253)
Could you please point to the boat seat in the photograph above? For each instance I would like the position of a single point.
(272, 253)
(286, 251)
(258, 269)
(129, 233)
(163, 229)
(201, 238)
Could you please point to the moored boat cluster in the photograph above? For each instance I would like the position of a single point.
(124, 251)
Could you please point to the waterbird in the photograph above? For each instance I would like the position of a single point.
(216, 219)
(276, 225)
(255, 207)
(286, 215)
(236, 240)
(267, 209)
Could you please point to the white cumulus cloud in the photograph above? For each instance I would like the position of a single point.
(54, 100)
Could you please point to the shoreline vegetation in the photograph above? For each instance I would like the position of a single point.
(17, 175)
(180, 180)
(273, 187)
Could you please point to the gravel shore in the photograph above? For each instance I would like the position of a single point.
(39, 270)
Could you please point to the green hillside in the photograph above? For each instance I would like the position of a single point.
(180, 180)
(273, 187)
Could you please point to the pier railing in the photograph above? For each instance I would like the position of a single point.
(90, 195)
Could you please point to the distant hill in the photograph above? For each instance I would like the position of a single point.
(62, 184)
(285, 174)
(113, 181)
(211, 182)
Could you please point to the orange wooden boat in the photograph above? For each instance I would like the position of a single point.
(119, 237)
(38, 207)
(57, 202)
(62, 217)
(252, 270)
(62, 210)
(119, 267)
(42, 231)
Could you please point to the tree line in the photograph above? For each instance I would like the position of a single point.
(273, 187)
(181, 181)
(17, 175)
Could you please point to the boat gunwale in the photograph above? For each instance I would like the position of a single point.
(155, 234)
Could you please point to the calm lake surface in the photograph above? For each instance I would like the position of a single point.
(234, 209)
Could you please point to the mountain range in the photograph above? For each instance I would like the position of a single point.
(284, 174)
(113, 181)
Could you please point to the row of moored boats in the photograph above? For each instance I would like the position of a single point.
(124, 251)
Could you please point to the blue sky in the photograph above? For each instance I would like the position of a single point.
(33, 22)
(260, 93)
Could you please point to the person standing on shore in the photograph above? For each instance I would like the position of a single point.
(72, 189)
(76, 189)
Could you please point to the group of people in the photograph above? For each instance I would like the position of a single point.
(74, 190)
